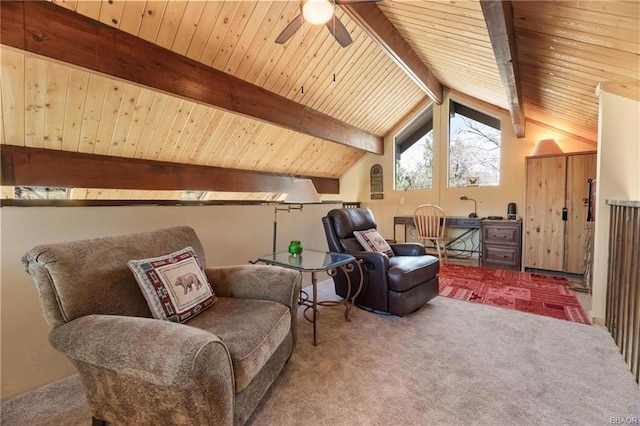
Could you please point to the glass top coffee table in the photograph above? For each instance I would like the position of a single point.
(315, 261)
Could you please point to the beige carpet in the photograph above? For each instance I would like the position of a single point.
(450, 363)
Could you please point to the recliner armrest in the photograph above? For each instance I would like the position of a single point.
(408, 249)
(372, 260)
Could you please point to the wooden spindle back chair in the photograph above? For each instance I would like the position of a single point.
(430, 221)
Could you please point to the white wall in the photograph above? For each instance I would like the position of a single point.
(230, 235)
(618, 175)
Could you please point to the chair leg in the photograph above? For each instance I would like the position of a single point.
(438, 248)
(437, 244)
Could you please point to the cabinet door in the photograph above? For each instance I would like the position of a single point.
(543, 224)
(579, 169)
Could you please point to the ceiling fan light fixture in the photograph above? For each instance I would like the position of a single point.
(317, 12)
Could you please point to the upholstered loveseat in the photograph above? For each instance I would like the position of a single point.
(213, 369)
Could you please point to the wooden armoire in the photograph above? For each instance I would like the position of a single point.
(555, 218)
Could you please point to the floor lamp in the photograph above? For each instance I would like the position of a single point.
(301, 192)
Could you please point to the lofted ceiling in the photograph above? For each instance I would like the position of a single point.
(561, 50)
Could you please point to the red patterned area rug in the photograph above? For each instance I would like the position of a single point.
(546, 295)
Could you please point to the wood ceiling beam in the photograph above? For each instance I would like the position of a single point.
(57, 33)
(499, 18)
(23, 166)
(373, 22)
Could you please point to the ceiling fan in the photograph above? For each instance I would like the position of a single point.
(318, 12)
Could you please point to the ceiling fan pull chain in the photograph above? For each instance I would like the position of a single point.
(335, 51)
(302, 47)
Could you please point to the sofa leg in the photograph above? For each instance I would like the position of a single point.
(98, 422)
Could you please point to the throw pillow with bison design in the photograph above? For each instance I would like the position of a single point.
(174, 285)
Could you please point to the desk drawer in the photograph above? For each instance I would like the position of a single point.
(501, 234)
(503, 257)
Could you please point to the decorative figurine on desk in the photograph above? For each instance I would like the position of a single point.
(295, 248)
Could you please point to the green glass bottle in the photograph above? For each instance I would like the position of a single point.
(295, 247)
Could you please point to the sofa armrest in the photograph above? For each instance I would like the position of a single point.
(408, 249)
(140, 361)
(262, 282)
(161, 352)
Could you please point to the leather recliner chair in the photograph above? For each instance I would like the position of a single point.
(399, 284)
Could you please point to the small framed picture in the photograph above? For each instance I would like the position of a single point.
(473, 180)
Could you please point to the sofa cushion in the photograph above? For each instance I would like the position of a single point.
(371, 240)
(251, 329)
(174, 285)
(406, 272)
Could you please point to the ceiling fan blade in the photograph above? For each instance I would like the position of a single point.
(339, 31)
(290, 29)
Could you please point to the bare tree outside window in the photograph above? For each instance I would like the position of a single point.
(192, 195)
(474, 150)
(40, 193)
(414, 169)
(414, 153)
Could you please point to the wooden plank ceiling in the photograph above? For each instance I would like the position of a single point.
(564, 49)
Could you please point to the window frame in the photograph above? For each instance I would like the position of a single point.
(480, 116)
(417, 128)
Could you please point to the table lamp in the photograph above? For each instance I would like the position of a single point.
(474, 214)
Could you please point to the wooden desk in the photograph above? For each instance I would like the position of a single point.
(452, 222)
(471, 224)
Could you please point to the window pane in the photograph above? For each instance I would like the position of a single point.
(414, 168)
(474, 148)
(40, 193)
(191, 195)
(414, 153)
